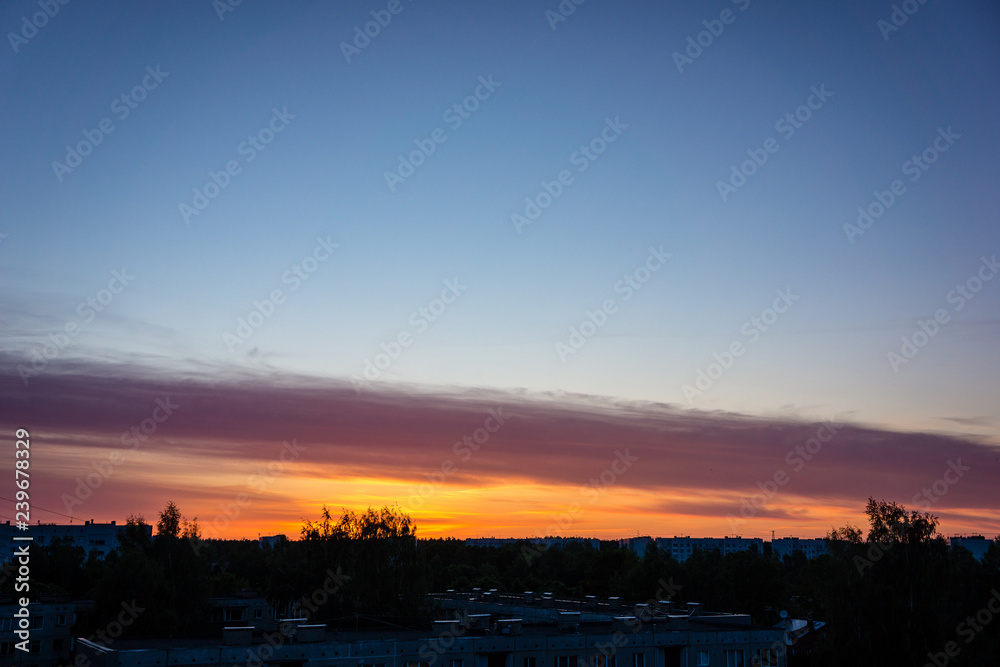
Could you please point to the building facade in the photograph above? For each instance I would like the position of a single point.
(48, 638)
(682, 548)
(99, 538)
(786, 546)
(498, 631)
(978, 545)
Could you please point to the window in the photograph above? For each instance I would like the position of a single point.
(602, 660)
(6, 648)
(566, 661)
(455, 663)
(5, 624)
(417, 664)
(766, 657)
(702, 658)
(258, 613)
(61, 619)
(529, 662)
(35, 646)
(734, 658)
(638, 660)
(37, 622)
(233, 614)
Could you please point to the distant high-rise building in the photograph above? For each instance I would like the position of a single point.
(99, 538)
(786, 546)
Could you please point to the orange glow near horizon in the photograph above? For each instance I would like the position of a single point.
(234, 498)
(513, 510)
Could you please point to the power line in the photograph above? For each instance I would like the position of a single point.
(36, 507)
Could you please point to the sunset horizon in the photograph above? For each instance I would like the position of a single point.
(260, 453)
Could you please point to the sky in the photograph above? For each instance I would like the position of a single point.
(260, 257)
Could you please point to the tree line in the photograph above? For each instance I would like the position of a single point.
(896, 596)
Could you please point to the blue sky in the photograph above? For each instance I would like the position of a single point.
(323, 175)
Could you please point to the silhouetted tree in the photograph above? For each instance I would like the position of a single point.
(169, 524)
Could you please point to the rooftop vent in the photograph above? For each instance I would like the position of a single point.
(643, 611)
(477, 622)
(623, 623)
(451, 627)
(311, 633)
(509, 626)
(568, 620)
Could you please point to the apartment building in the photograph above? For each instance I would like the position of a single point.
(483, 630)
